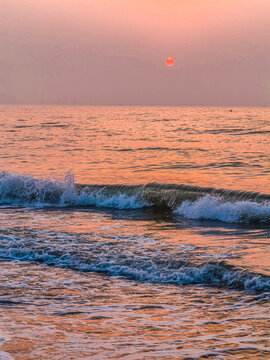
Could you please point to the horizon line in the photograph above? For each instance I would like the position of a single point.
(141, 105)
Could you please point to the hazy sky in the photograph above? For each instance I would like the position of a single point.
(113, 52)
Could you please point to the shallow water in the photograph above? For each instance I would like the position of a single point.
(90, 272)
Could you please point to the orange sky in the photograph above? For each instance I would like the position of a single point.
(113, 51)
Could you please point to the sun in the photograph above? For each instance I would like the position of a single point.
(169, 61)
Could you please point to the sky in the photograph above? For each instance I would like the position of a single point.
(112, 52)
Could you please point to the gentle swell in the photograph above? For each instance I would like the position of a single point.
(189, 201)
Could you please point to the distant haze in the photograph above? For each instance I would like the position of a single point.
(113, 52)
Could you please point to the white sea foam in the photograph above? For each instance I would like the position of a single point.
(99, 199)
(214, 208)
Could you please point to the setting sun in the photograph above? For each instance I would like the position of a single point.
(169, 61)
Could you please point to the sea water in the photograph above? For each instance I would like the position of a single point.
(134, 232)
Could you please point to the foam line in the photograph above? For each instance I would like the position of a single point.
(141, 268)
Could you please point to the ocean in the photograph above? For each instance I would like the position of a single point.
(133, 232)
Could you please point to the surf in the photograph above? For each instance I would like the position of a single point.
(189, 201)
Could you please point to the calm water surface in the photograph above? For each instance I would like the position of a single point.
(105, 272)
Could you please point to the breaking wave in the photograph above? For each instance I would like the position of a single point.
(192, 202)
(24, 190)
